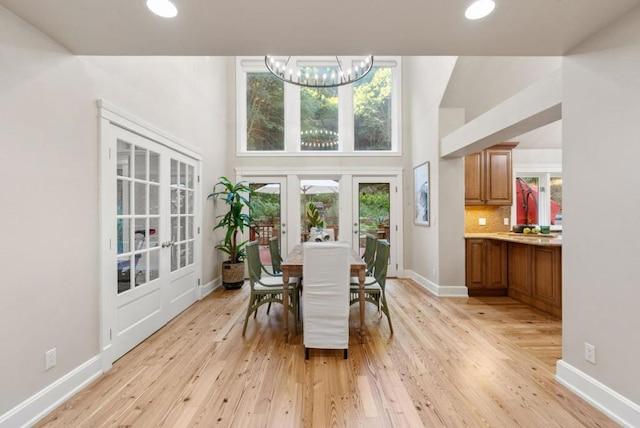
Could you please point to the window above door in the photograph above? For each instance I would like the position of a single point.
(277, 118)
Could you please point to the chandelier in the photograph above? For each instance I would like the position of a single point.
(312, 73)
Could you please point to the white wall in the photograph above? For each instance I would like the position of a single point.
(425, 80)
(601, 148)
(49, 193)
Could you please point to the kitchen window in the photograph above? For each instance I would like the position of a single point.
(538, 199)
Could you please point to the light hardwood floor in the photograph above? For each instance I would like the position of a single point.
(451, 363)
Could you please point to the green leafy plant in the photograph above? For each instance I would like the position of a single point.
(236, 196)
(313, 216)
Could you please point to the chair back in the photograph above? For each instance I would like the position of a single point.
(274, 251)
(325, 295)
(381, 261)
(369, 251)
(254, 264)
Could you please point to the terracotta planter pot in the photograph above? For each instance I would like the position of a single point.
(232, 275)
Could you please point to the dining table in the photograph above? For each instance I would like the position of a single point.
(292, 266)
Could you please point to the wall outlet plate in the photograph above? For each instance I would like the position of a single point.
(590, 353)
(50, 359)
(482, 221)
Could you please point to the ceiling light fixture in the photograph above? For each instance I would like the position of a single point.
(163, 8)
(479, 9)
(315, 73)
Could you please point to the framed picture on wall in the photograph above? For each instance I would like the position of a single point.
(421, 194)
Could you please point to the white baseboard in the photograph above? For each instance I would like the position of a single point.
(617, 407)
(435, 289)
(39, 405)
(210, 287)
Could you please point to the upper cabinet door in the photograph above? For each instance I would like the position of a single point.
(498, 177)
(488, 176)
(474, 179)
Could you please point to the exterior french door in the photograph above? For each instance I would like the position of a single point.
(269, 202)
(150, 242)
(375, 212)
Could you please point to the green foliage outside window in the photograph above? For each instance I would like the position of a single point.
(265, 112)
(372, 110)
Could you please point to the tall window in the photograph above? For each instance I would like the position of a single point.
(319, 119)
(274, 116)
(265, 112)
(372, 110)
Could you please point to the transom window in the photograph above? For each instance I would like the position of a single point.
(276, 117)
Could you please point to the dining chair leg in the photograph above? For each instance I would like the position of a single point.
(306, 353)
(346, 354)
(246, 318)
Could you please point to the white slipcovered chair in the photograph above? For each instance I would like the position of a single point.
(325, 296)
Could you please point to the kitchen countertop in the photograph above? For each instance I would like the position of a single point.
(547, 241)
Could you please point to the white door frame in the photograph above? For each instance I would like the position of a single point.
(345, 175)
(110, 116)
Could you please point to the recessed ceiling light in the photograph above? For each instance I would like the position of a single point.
(480, 9)
(163, 8)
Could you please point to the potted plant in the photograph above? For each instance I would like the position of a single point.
(313, 217)
(237, 218)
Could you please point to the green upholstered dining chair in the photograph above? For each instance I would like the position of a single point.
(266, 289)
(374, 290)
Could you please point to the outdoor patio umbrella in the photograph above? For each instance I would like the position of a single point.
(307, 187)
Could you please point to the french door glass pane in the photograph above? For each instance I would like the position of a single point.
(319, 119)
(154, 199)
(321, 196)
(372, 110)
(182, 213)
(265, 210)
(265, 112)
(374, 201)
(123, 159)
(154, 167)
(141, 198)
(141, 163)
(137, 231)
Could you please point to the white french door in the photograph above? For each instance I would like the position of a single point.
(270, 213)
(150, 237)
(375, 212)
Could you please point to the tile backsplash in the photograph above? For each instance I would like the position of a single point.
(494, 216)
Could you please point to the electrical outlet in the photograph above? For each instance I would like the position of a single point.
(506, 221)
(50, 359)
(433, 272)
(590, 353)
(482, 221)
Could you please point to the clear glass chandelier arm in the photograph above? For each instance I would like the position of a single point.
(317, 79)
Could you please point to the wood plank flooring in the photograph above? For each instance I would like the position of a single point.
(477, 362)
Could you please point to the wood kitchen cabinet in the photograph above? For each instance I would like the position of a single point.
(486, 267)
(488, 177)
(535, 276)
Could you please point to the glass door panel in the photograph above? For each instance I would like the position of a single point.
(319, 210)
(137, 261)
(373, 211)
(266, 202)
(182, 215)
